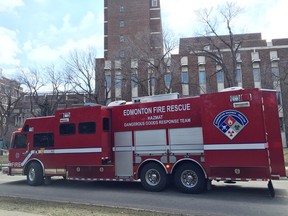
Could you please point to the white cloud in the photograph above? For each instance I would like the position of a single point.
(88, 20)
(66, 27)
(43, 54)
(93, 41)
(47, 55)
(41, 1)
(258, 16)
(66, 23)
(181, 17)
(275, 21)
(9, 5)
(9, 47)
(27, 46)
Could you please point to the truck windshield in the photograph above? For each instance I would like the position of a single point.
(20, 141)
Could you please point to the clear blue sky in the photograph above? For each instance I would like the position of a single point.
(40, 32)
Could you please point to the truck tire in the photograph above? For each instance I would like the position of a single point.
(189, 178)
(35, 174)
(153, 177)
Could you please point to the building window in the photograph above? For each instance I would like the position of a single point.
(154, 3)
(185, 86)
(255, 56)
(108, 81)
(118, 85)
(122, 39)
(238, 57)
(134, 79)
(238, 75)
(184, 77)
(202, 77)
(122, 54)
(122, 8)
(134, 84)
(122, 23)
(167, 80)
(118, 80)
(275, 71)
(184, 61)
(134, 63)
(256, 74)
(206, 47)
(43, 140)
(237, 45)
(201, 60)
(220, 77)
(274, 56)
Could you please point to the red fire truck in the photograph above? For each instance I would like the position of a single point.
(226, 136)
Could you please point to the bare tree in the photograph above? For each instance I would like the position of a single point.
(10, 96)
(44, 90)
(80, 73)
(153, 63)
(211, 44)
(281, 78)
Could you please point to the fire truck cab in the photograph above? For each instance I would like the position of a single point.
(226, 136)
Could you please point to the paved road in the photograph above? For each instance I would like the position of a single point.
(246, 198)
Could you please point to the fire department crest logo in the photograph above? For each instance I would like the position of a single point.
(230, 122)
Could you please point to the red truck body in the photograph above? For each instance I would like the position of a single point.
(233, 135)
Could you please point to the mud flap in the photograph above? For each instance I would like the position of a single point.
(271, 189)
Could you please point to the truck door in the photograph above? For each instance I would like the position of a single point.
(123, 154)
(106, 137)
(18, 149)
(273, 134)
(235, 137)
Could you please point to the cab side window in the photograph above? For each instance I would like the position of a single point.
(43, 140)
(67, 129)
(20, 141)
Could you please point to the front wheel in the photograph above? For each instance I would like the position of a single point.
(153, 177)
(35, 174)
(189, 178)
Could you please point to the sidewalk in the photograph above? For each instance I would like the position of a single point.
(16, 213)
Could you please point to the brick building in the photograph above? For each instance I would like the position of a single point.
(132, 30)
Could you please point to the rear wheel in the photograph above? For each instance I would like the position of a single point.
(189, 178)
(35, 174)
(153, 177)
